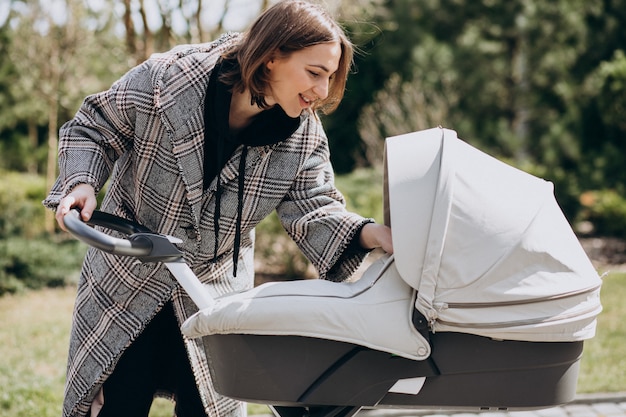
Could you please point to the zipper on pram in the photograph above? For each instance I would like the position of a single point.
(509, 324)
(445, 305)
(590, 311)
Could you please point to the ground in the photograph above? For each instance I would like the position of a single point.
(606, 253)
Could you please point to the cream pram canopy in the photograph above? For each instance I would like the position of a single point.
(480, 247)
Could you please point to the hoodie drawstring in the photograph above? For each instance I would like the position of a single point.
(218, 201)
(242, 174)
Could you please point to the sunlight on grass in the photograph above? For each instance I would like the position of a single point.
(604, 357)
(165, 408)
(34, 332)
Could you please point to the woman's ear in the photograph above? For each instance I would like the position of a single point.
(273, 59)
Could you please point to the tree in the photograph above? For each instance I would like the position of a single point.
(39, 52)
(158, 25)
(382, 30)
(509, 71)
(603, 115)
(535, 82)
(10, 109)
(54, 58)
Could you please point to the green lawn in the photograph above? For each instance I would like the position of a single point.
(34, 329)
(604, 358)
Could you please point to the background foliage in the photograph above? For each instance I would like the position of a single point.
(29, 258)
(540, 84)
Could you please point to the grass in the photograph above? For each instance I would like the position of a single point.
(34, 329)
(604, 358)
(34, 333)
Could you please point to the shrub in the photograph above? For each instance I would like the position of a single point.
(363, 190)
(30, 259)
(277, 255)
(35, 264)
(566, 187)
(606, 211)
(21, 212)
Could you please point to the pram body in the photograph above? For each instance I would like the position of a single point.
(456, 370)
(484, 305)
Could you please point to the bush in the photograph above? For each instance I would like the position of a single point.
(21, 212)
(605, 210)
(29, 259)
(566, 187)
(277, 255)
(363, 190)
(35, 264)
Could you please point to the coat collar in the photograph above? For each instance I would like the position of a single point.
(180, 79)
(180, 104)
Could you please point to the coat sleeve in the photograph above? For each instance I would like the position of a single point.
(314, 214)
(101, 131)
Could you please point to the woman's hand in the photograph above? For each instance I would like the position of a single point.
(83, 196)
(376, 236)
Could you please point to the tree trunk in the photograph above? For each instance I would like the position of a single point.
(521, 111)
(53, 143)
(33, 142)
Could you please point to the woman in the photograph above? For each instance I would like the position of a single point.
(202, 143)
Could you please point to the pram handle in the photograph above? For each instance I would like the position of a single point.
(140, 243)
(102, 241)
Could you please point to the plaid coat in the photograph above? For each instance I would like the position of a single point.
(146, 133)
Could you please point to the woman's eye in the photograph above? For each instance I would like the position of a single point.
(314, 74)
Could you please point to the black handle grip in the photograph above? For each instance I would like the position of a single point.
(110, 221)
(138, 247)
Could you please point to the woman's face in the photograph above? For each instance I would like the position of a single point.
(299, 79)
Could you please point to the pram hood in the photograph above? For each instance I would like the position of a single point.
(479, 247)
(485, 245)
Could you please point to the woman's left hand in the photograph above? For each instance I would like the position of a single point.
(375, 235)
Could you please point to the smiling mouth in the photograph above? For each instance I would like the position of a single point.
(306, 100)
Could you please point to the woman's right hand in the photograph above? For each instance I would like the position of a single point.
(83, 197)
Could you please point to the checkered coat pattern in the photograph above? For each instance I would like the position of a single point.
(146, 133)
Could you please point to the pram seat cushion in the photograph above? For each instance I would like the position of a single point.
(374, 311)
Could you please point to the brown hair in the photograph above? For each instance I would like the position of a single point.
(286, 27)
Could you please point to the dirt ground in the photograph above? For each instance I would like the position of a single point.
(606, 253)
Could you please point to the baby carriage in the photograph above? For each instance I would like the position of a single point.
(484, 305)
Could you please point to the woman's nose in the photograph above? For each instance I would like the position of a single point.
(321, 89)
